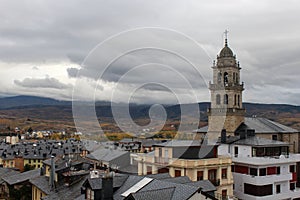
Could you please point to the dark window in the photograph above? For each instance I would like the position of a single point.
(225, 79)
(262, 171)
(271, 170)
(199, 175)
(224, 194)
(177, 173)
(218, 99)
(236, 151)
(235, 99)
(292, 186)
(278, 170)
(149, 170)
(226, 99)
(274, 137)
(241, 169)
(292, 168)
(232, 168)
(224, 173)
(256, 190)
(253, 171)
(212, 176)
(238, 101)
(278, 189)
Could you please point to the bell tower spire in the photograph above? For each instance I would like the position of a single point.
(226, 111)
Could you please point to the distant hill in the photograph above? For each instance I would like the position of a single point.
(21, 101)
(51, 109)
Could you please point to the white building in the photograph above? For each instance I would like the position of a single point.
(263, 168)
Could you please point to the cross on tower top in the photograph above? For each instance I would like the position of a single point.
(226, 36)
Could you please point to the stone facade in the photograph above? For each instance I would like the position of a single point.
(226, 110)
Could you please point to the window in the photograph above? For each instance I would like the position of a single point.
(177, 173)
(218, 99)
(292, 168)
(277, 170)
(235, 99)
(274, 137)
(278, 189)
(149, 169)
(292, 186)
(89, 194)
(199, 175)
(224, 173)
(236, 151)
(255, 190)
(224, 194)
(238, 101)
(226, 99)
(253, 171)
(271, 170)
(225, 79)
(262, 171)
(241, 169)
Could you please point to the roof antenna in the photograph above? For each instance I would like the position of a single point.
(226, 37)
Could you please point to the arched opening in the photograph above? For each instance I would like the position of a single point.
(219, 77)
(235, 99)
(218, 99)
(226, 99)
(239, 100)
(233, 75)
(225, 79)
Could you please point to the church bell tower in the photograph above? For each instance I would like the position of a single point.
(226, 111)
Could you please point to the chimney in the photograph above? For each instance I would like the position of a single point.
(107, 187)
(223, 136)
(52, 174)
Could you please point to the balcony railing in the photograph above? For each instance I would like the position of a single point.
(161, 160)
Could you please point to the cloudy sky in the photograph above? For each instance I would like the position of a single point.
(147, 51)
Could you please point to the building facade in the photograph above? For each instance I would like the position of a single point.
(263, 168)
(191, 159)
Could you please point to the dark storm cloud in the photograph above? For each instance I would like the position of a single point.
(264, 34)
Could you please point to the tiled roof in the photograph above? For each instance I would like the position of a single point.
(72, 191)
(164, 193)
(260, 125)
(106, 154)
(180, 143)
(96, 183)
(263, 125)
(257, 141)
(21, 177)
(205, 185)
(41, 182)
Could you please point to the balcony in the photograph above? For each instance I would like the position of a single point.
(264, 180)
(160, 160)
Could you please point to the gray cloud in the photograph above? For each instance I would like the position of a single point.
(41, 83)
(264, 35)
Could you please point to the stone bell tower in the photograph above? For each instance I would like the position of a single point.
(226, 111)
